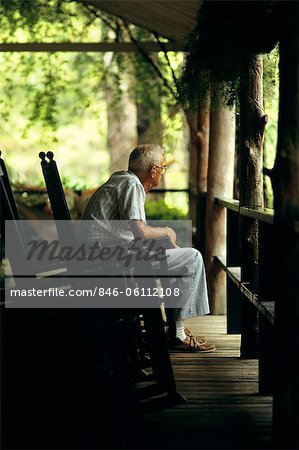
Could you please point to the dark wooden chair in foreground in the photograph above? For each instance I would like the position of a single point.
(58, 390)
(143, 330)
(9, 211)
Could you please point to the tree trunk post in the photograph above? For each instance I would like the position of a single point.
(252, 128)
(122, 127)
(285, 180)
(220, 184)
(199, 126)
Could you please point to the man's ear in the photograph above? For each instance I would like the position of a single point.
(152, 171)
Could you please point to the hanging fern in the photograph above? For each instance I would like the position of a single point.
(225, 33)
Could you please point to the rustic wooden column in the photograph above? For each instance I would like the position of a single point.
(285, 180)
(199, 126)
(191, 119)
(252, 128)
(203, 134)
(220, 184)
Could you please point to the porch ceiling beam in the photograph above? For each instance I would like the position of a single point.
(89, 47)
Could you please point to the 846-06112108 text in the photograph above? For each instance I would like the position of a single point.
(140, 292)
(97, 291)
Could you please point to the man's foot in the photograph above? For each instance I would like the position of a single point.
(190, 344)
(200, 339)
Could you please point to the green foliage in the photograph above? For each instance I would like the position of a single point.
(48, 78)
(271, 101)
(147, 86)
(220, 44)
(74, 183)
(19, 13)
(270, 78)
(158, 210)
(56, 101)
(51, 18)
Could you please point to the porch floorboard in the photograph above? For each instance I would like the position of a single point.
(223, 409)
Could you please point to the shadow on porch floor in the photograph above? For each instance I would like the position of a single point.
(223, 409)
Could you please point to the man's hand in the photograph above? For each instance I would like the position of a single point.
(172, 236)
(148, 232)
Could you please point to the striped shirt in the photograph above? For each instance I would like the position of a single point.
(121, 198)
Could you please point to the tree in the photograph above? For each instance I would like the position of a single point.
(62, 85)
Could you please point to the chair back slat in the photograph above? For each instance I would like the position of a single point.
(9, 211)
(57, 199)
(54, 187)
(8, 205)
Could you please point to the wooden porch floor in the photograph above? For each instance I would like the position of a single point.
(224, 410)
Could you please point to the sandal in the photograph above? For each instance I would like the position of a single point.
(190, 344)
(200, 339)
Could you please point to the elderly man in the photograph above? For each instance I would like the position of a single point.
(122, 197)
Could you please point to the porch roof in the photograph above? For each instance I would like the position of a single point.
(172, 19)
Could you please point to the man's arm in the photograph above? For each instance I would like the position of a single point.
(147, 232)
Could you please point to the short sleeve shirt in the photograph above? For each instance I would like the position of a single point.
(122, 197)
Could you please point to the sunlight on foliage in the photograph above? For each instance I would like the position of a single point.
(57, 101)
(158, 209)
(271, 100)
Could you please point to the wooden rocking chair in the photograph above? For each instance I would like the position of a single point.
(143, 330)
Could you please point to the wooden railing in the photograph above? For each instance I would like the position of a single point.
(256, 294)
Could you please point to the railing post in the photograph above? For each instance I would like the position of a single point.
(220, 183)
(252, 126)
(233, 260)
(266, 292)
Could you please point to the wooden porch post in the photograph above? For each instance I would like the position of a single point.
(220, 184)
(252, 128)
(285, 180)
(199, 125)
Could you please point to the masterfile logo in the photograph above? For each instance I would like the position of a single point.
(91, 264)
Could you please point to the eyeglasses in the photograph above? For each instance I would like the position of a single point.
(163, 168)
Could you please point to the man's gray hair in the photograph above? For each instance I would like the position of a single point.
(144, 157)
